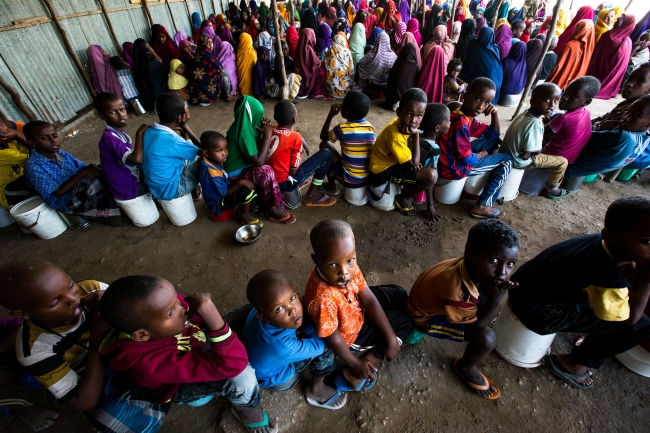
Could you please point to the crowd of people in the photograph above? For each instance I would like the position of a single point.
(165, 347)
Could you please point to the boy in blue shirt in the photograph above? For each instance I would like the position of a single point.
(277, 350)
(171, 164)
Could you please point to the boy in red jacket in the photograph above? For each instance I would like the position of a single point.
(161, 347)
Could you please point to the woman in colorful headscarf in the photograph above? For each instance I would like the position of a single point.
(410, 39)
(402, 75)
(228, 60)
(339, 68)
(398, 33)
(351, 12)
(574, 59)
(501, 22)
(246, 59)
(323, 39)
(127, 50)
(610, 58)
(283, 11)
(390, 16)
(482, 59)
(374, 35)
(178, 37)
(261, 73)
(205, 74)
(413, 27)
(545, 26)
(467, 30)
(374, 66)
(439, 39)
(503, 38)
(149, 73)
(502, 13)
(309, 21)
(164, 46)
(432, 76)
(176, 80)
(464, 4)
(514, 71)
(358, 43)
(564, 20)
(188, 50)
(370, 23)
(584, 13)
(292, 39)
(432, 22)
(196, 21)
(480, 23)
(222, 30)
(404, 11)
(103, 74)
(528, 30)
(263, 10)
(604, 22)
(330, 17)
(533, 51)
(309, 66)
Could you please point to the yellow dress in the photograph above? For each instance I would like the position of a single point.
(246, 60)
(12, 166)
(563, 21)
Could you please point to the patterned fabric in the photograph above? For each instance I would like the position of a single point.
(265, 183)
(91, 198)
(334, 309)
(357, 138)
(46, 176)
(205, 78)
(129, 89)
(339, 68)
(374, 66)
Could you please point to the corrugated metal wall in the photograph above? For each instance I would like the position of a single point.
(34, 59)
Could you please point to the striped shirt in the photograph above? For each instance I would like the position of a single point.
(56, 358)
(129, 90)
(357, 138)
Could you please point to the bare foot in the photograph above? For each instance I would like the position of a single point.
(322, 393)
(277, 213)
(574, 368)
(487, 212)
(472, 375)
(248, 415)
(36, 417)
(331, 188)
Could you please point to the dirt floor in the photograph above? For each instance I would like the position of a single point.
(418, 392)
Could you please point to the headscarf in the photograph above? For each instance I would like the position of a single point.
(358, 43)
(370, 23)
(514, 70)
(398, 32)
(228, 60)
(127, 50)
(264, 39)
(405, 11)
(187, 58)
(601, 27)
(330, 17)
(261, 71)
(282, 11)
(324, 38)
(374, 35)
(246, 59)
(390, 12)
(480, 23)
(525, 37)
(167, 51)
(263, 11)
(243, 131)
(611, 57)
(432, 22)
(432, 76)
(503, 38)
(413, 27)
(482, 59)
(176, 81)
(534, 49)
(563, 21)
(410, 39)
(196, 21)
(103, 74)
(455, 31)
(309, 20)
(180, 36)
(501, 22)
(464, 4)
(439, 39)
(545, 27)
(378, 12)
(584, 13)
(339, 68)
(641, 27)
(351, 13)
(574, 59)
(306, 61)
(403, 75)
(291, 36)
(253, 6)
(467, 29)
(150, 75)
(374, 66)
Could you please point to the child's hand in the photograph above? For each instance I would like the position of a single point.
(266, 129)
(199, 302)
(335, 109)
(247, 183)
(7, 136)
(91, 170)
(432, 214)
(391, 349)
(185, 117)
(503, 287)
(490, 109)
(482, 154)
(363, 369)
(91, 300)
(99, 329)
(142, 129)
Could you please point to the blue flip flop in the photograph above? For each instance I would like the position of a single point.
(341, 384)
(569, 378)
(329, 403)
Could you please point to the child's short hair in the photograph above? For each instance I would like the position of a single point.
(31, 127)
(116, 62)
(284, 112)
(101, 100)
(645, 101)
(169, 105)
(260, 287)
(433, 116)
(518, 24)
(453, 63)
(627, 212)
(491, 232)
(413, 94)
(329, 230)
(479, 83)
(356, 104)
(209, 139)
(454, 105)
(116, 306)
(544, 89)
(588, 84)
(18, 275)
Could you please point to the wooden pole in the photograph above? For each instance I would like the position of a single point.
(214, 6)
(205, 17)
(533, 74)
(68, 47)
(15, 96)
(189, 14)
(110, 27)
(629, 4)
(147, 13)
(292, 15)
(453, 13)
(495, 14)
(223, 9)
(424, 4)
(171, 14)
(284, 90)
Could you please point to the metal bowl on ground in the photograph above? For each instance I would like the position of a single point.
(248, 234)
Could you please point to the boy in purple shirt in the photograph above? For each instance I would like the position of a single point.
(569, 132)
(119, 157)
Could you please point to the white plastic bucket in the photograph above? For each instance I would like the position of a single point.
(387, 201)
(449, 191)
(141, 210)
(517, 344)
(636, 359)
(5, 218)
(33, 214)
(510, 189)
(474, 186)
(181, 211)
(356, 196)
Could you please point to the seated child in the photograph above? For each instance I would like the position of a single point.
(456, 299)
(261, 73)
(13, 155)
(219, 193)
(569, 132)
(518, 27)
(636, 86)
(284, 158)
(351, 167)
(118, 156)
(454, 86)
(160, 346)
(460, 158)
(348, 314)
(596, 284)
(523, 139)
(610, 150)
(391, 159)
(123, 71)
(640, 53)
(280, 348)
(171, 164)
(65, 183)
(176, 80)
(293, 79)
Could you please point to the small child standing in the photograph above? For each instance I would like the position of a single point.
(523, 139)
(569, 131)
(285, 154)
(351, 167)
(456, 299)
(280, 348)
(219, 193)
(454, 87)
(176, 80)
(391, 159)
(348, 314)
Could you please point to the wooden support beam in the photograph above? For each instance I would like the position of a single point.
(284, 90)
(110, 27)
(292, 15)
(189, 14)
(495, 14)
(68, 47)
(15, 97)
(205, 17)
(424, 4)
(214, 6)
(147, 13)
(171, 14)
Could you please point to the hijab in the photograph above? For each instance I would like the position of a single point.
(482, 59)
(501, 22)
(330, 17)
(398, 32)
(375, 65)
(180, 36)
(455, 31)
(534, 49)
(167, 51)
(351, 13)
(480, 23)
(405, 11)
(243, 131)
(370, 23)
(103, 74)
(196, 21)
(176, 81)
(525, 37)
(584, 13)
(127, 50)
(261, 71)
(563, 21)
(306, 61)
(410, 39)
(503, 38)
(432, 76)
(324, 38)
(150, 75)
(246, 59)
(641, 27)
(413, 27)
(574, 59)
(467, 29)
(358, 42)
(374, 35)
(601, 27)
(403, 75)
(309, 20)
(439, 39)
(432, 22)
(514, 70)
(228, 60)
(291, 36)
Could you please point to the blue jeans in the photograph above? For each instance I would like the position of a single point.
(189, 177)
(498, 165)
(321, 366)
(642, 161)
(318, 164)
(241, 390)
